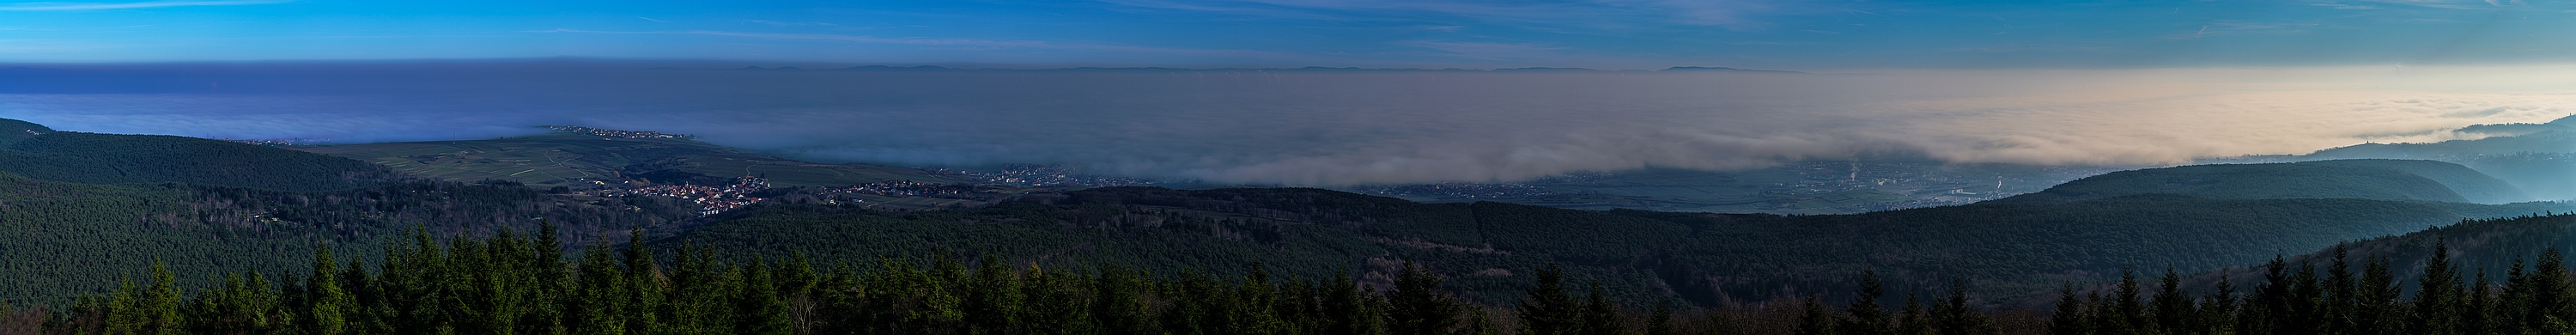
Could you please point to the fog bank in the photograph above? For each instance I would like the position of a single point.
(1318, 128)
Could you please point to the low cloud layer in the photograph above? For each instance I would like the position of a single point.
(1313, 128)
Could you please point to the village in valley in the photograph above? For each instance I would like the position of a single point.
(711, 200)
(718, 180)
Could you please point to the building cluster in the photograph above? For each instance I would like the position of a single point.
(1463, 190)
(1049, 175)
(710, 200)
(617, 133)
(273, 143)
(904, 188)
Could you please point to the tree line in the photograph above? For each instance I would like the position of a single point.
(2537, 298)
(509, 283)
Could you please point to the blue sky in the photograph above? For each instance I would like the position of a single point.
(1607, 34)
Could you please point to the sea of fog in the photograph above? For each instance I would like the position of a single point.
(1313, 127)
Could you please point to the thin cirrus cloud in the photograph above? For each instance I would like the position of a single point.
(87, 6)
(1728, 13)
(955, 42)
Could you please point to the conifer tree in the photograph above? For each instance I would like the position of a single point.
(1602, 318)
(2128, 309)
(1118, 305)
(552, 285)
(1480, 322)
(2341, 295)
(2099, 316)
(2269, 301)
(2379, 311)
(1249, 305)
(1348, 310)
(1055, 304)
(160, 304)
(330, 302)
(372, 313)
(1419, 306)
(1814, 319)
(599, 309)
(2174, 309)
(644, 291)
(2552, 292)
(993, 306)
(2303, 313)
(758, 310)
(1547, 308)
(1660, 320)
(2477, 308)
(2511, 310)
(1915, 320)
(2068, 317)
(1865, 314)
(2218, 309)
(2437, 296)
(1956, 317)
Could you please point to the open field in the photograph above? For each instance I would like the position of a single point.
(578, 160)
(1798, 188)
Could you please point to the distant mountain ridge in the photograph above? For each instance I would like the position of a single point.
(1709, 259)
(2535, 157)
(2472, 185)
(2380, 179)
(1309, 69)
(35, 151)
(11, 131)
(577, 159)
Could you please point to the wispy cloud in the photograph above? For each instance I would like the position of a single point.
(1728, 13)
(81, 6)
(2452, 4)
(977, 43)
(2224, 28)
(789, 23)
(1491, 51)
(652, 19)
(1336, 129)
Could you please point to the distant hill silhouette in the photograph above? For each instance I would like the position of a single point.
(2356, 179)
(137, 159)
(1720, 69)
(2536, 158)
(2469, 183)
(1705, 258)
(11, 131)
(1309, 69)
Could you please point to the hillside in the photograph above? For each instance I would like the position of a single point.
(2492, 245)
(11, 131)
(2532, 157)
(37, 152)
(2475, 186)
(2545, 137)
(563, 159)
(64, 239)
(1707, 258)
(2361, 179)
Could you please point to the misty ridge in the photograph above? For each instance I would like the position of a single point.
(1312, 128)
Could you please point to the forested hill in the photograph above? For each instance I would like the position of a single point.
(2358, 179)
(59, 240)
(2532, 156)
(33, 151)
(13, 130)
(2491, 247)
(2551, 137)
(1706, 258)
(2475, 186)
